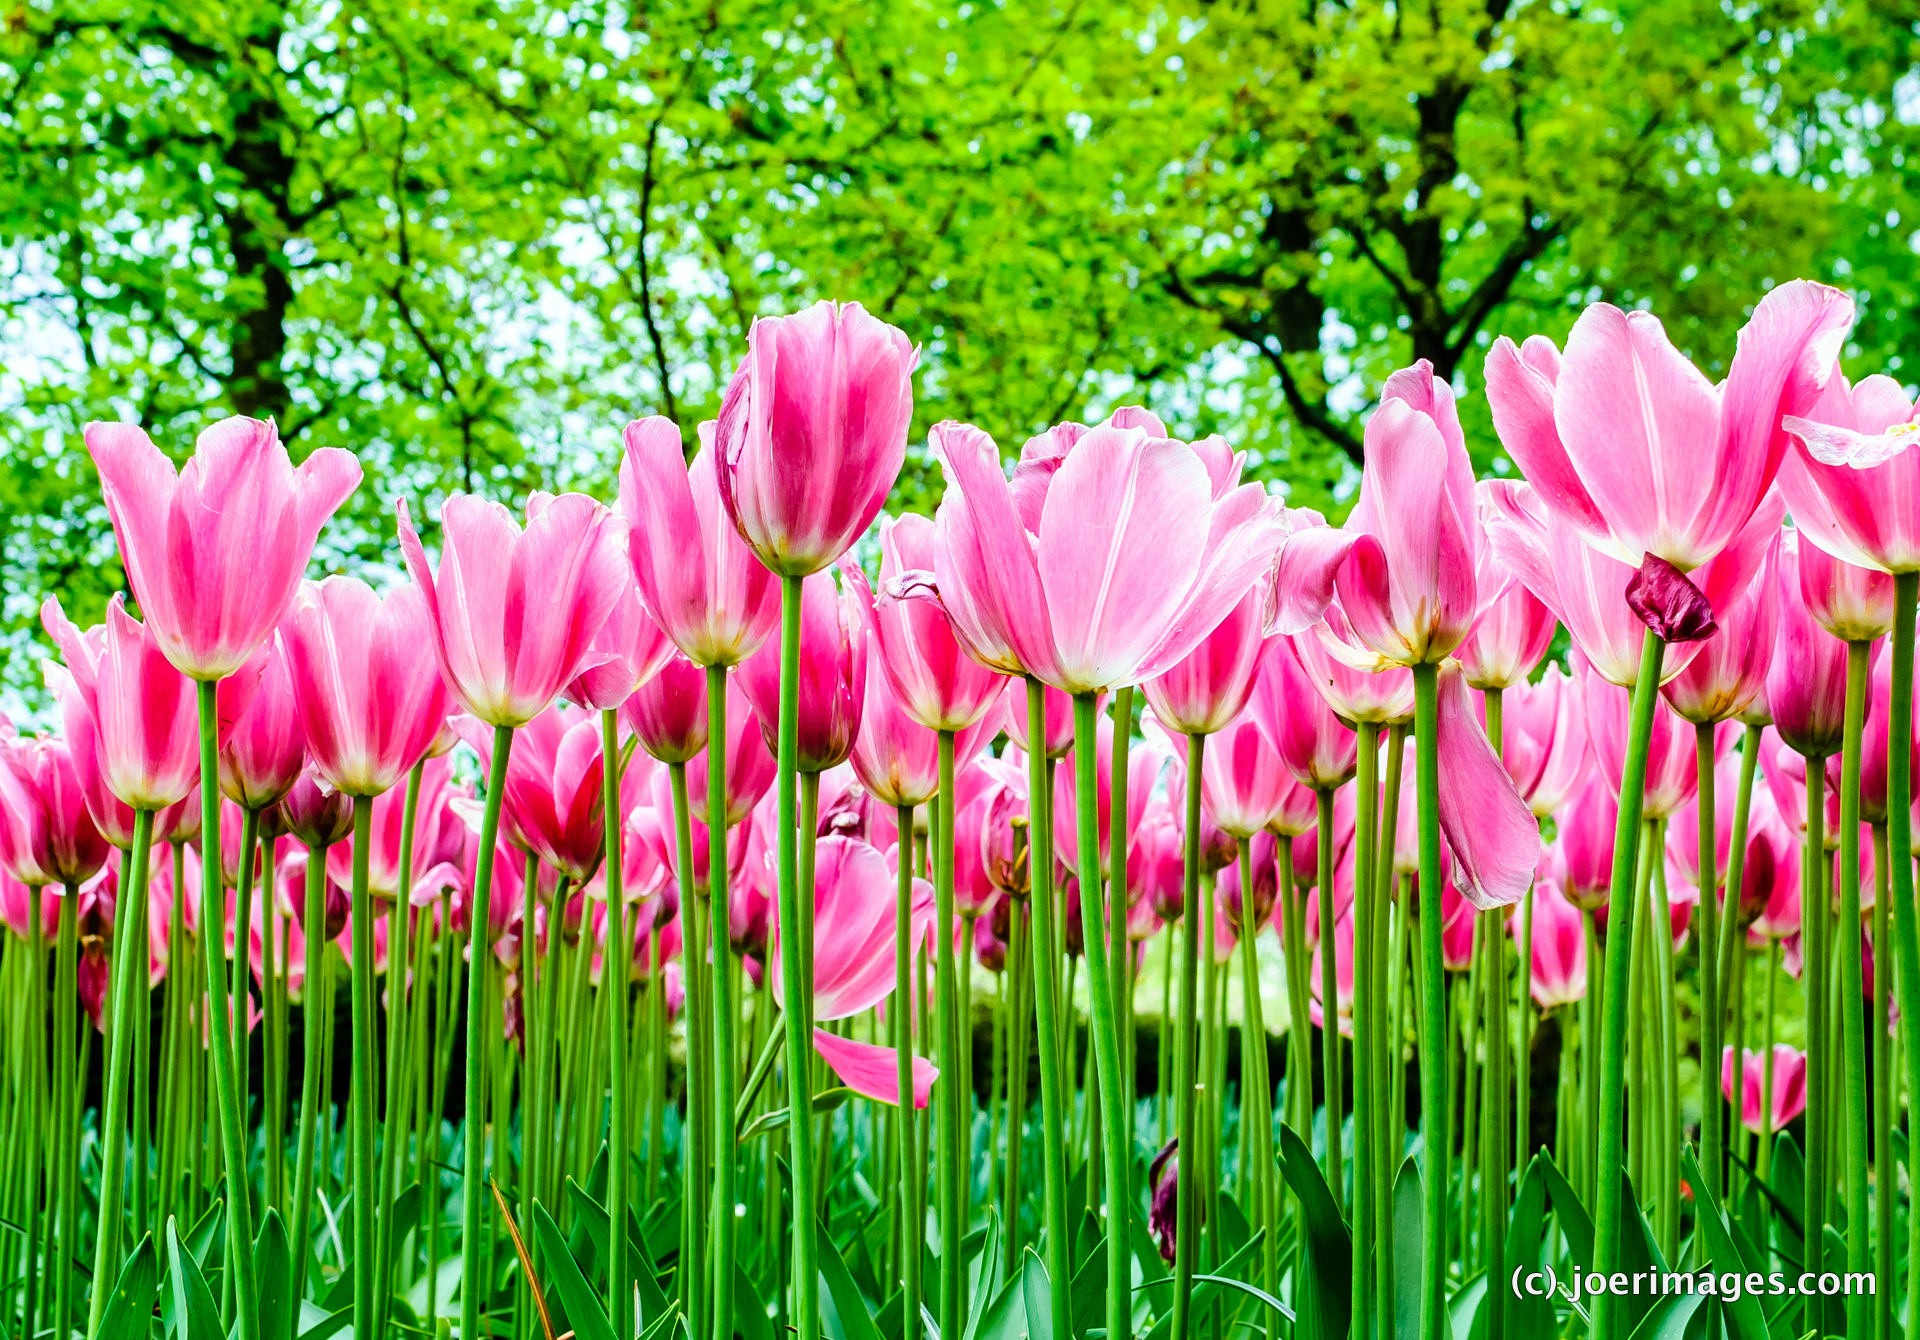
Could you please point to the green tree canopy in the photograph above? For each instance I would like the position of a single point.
(469, 241)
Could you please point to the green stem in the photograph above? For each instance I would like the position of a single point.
(1433, 1051)
(398, 1035)
(1885, 1175)
(365, 1172)
(479, 1029)
(313, 1027)
(793, 974)
(1366, 840)
(1815, 920)
(141, 1025)
(692, 1277)
(1859, 1305)
(1906, 587)
(1330, 1002)
(1185, 1088)
(614, 974)
(724, 1077)
(1608, 1318)
(1711, 1006)
(1730, 927)
(1390, 1123)
(950, 1166)
(1100, 1001)
(35, 1098)
(1047, 1008)
(129, 966)
(914, 1218)
(1120, 898)
(1254, 1088)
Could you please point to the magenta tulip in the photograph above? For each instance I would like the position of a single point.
(749, 763)
(47, 835)
(1671, 777)
(812, 432)
(1319, 751)
(1245, 784)
(264, 754)
(1789, 1096)
(668, 713)
(514, 612)
(1807, 680)
(1586, 842)
(1559, 947)
(317, 817)
(629, 650)
(698, 579)
(213, 553)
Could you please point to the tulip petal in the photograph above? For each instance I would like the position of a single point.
(1520, 391)
(1494, 839)
(1303, 578)
(873, 1072)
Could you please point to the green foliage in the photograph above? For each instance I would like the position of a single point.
(469, 241)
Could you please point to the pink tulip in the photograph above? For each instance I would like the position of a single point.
(1559, 947)
(629, 650)
(873, 1072)
(47, 835)
(1457, 921)
(1513, 632)
(1789, 1096)
(1873, 743)
(1071, 574)
(935, 681)
(1210, 687)
(1056, 720)
(514, 612)
(668, 713)
(1850, 481)
(1671, 778)
(1244, 782)
(1785, 770)
(1806, 683)
(1854, 604)
(1683, 830)
(1404, 564)
(1343, 977)
(213, 553)
(813, 431)
(318, 818)
(1727, 678)
(1066, 800)
(1327, 653)
(897, 758)
(1263, 863)
(662, 801)
(832, 686)
(370, 704)
(853, 929)
(749, 763)
(1218, 849)
(1156, 870)
(439, 836)
(990, 932)
(19, 901)
(1586, 842)
(1321, 752)
(1614, 433)
(973, 889)
(698, 579)
(1770, 878)
(1494, 839)
(1544, 740)
(144, 712)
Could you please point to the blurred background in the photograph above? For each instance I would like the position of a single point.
(469, 241)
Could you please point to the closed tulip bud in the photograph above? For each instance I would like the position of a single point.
(317, 817)
(668, 713)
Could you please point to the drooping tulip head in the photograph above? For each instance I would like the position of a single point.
(513, 612)
(213, 552)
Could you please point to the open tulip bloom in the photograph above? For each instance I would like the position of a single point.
(652, 841)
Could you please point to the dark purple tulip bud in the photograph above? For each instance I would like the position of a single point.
(1164, 1178)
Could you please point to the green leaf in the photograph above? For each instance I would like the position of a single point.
(1527, 1314)
(195, 1315)
(564, 1280)
(1006, 1317)
(1745, 1318)
(1037, 1293)
(1409, 1237)
(856, 1322)
(130, 1305)
(1786, 1187)
(329, 1325)
(1089, 1305)
(1575, 1223)
(1668, 1319)
(986, 1276)
(273, 1279)
(749, 1312)
(1329, 1247)
(824, 1101)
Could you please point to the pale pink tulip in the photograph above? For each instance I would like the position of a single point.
(832, 685)
(1727, 678)
(1494, 839)
(668, 713)
(370, 703)
(1672, 777)
(213, 553)
(1854, 604)
(1210, 687)
(1321, 752)
(47, 835)
(143, 712)
(853, 929)
(264, 754)
(1404, 565)
(1851, 482)
(1789, 1096)
(1806, 682)
(1544, 740)
(1586, 842)
(1327, 653)
(513, 613)
(1245, 784)
(629, 650)
(1115, 554)
(1513, 631)
(1559, 946)
(896, 758)
(1633, 448)
(698, 579)
(936, 682)
(812, 432)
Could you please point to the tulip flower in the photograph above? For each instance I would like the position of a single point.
(1056, 717)
(1299, 723)
(263, 754)
(1210, 687)
(1770, 876)
(698, 579)
(1544, 743)
(749, 765)
(1806, 682)
(831, 689)
(895, 757)
(813, 431)
(1726, 679)
(1850, 480)
(1559, 947)
(47, 835)
(317, 817)
(1789, 1096)
(1683, 844)
(1245, 784)
(1855, 604)
(629, 650)
(214, 551)
(1671, 776)
(935, 680)
(668, 713)
(1512, 633)
(1586, 842)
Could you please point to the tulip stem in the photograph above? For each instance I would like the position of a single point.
(1186, 1091)
(1885, 1176)
(1730, 929)
(1106, 1043)
(1331, 1100)
(1389, 1136)
(1120, 900)
(1815, 916)
(1622, 894)
(1711, 1140)
(724, 1079)
(691, 1277)
(1859, 1305)
(364, 1172)
(1256, 1093)
(793, 970)
(913, 1215)
(1906, 588)
(950, 1167)
(614, 977)
(1433, 1022)
(398, 1057)
(479, 1029)
(1046, 1010)
(313, 1029)
(1365, 1008)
